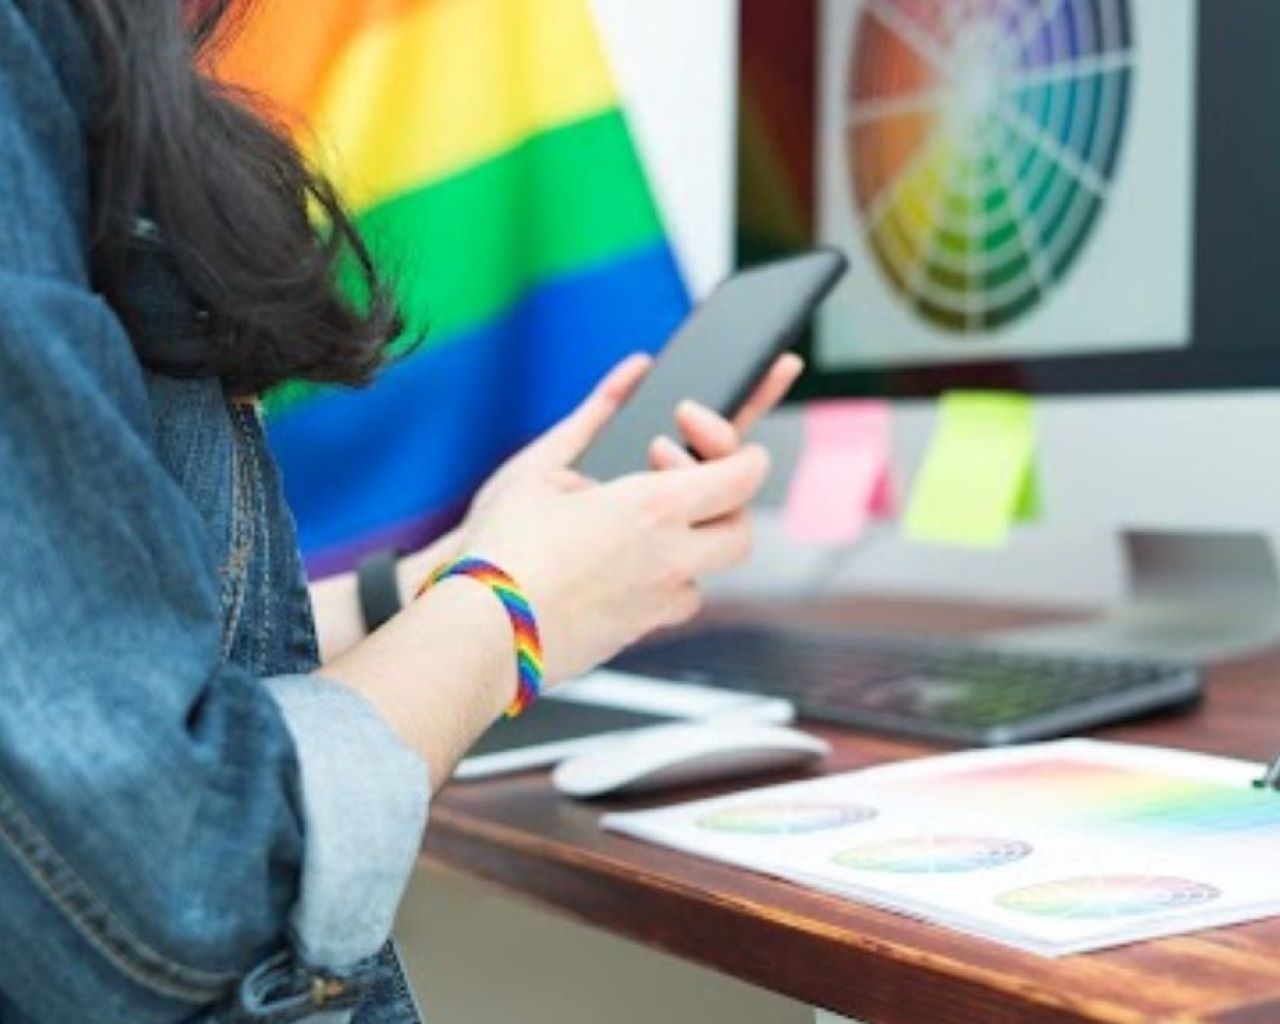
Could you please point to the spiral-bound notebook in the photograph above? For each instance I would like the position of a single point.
(1054, 848)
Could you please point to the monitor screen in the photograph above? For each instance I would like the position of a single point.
(1059, 196)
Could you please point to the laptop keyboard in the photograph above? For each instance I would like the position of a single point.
(963, 691)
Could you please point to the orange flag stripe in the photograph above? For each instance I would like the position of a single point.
(285, 48)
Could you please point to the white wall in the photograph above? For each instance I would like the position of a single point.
(674, 60)
(1154, 462)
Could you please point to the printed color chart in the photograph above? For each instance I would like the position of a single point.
(1084, 794)
(1055, 848)
(785, 818)
(934, 855)
(1108, 896)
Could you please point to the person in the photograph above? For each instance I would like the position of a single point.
(198, 821)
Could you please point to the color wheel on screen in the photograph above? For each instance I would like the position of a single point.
(983, 137)
(1106, 896)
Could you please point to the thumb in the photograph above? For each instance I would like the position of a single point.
(568, 439)
(569, 481)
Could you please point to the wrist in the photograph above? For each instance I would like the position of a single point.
(526, 640)
(415, 567)
(464, 616)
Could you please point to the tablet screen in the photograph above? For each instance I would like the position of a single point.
(557, 721)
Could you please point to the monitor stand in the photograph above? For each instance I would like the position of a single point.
(1193, 596)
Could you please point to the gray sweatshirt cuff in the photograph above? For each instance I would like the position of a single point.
(365, 797)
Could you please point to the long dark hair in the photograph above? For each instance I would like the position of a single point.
(233, 200)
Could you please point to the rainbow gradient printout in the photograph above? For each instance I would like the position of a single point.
(1055, 848)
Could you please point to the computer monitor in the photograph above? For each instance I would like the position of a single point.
(1066, 197)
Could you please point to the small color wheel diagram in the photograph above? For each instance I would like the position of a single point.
(1105, 896)
(982, 139)
(779, 819)
(928, 855)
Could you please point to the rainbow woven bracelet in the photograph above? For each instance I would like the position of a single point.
(523, 622)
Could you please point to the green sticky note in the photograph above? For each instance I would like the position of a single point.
(979, 477)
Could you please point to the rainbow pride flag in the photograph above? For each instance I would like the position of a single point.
(482, 145)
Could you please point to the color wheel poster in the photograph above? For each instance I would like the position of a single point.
(1054, 848)
(1010, 178)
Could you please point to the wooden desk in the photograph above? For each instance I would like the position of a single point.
(851, 959)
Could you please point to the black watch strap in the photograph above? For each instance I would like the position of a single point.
(378, 586)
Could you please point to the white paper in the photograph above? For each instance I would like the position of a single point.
(1054, 848)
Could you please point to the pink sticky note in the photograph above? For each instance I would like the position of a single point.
(844, 478)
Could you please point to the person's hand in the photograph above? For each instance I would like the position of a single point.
(705, 432)
(561, 446)
(677, 553)
(609, 563)
(604, 564)
(558, 448)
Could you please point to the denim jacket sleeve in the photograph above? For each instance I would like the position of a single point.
(166, 819)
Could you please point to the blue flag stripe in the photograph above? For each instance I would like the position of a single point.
(433, 426)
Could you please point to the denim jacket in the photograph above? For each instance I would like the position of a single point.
(193, 826)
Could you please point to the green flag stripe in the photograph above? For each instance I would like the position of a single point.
(464, 249)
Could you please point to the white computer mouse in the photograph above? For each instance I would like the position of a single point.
(677, 755)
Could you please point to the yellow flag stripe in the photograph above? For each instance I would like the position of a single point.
(445, 84)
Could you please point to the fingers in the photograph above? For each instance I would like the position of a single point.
(569, 481)
(683, 606)
(722, 544)
(698, 494)
(712, 548)
(772, 389)
(665, 454)
(706, 432)
(618, 384)
(709, 434)
(569, 438)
